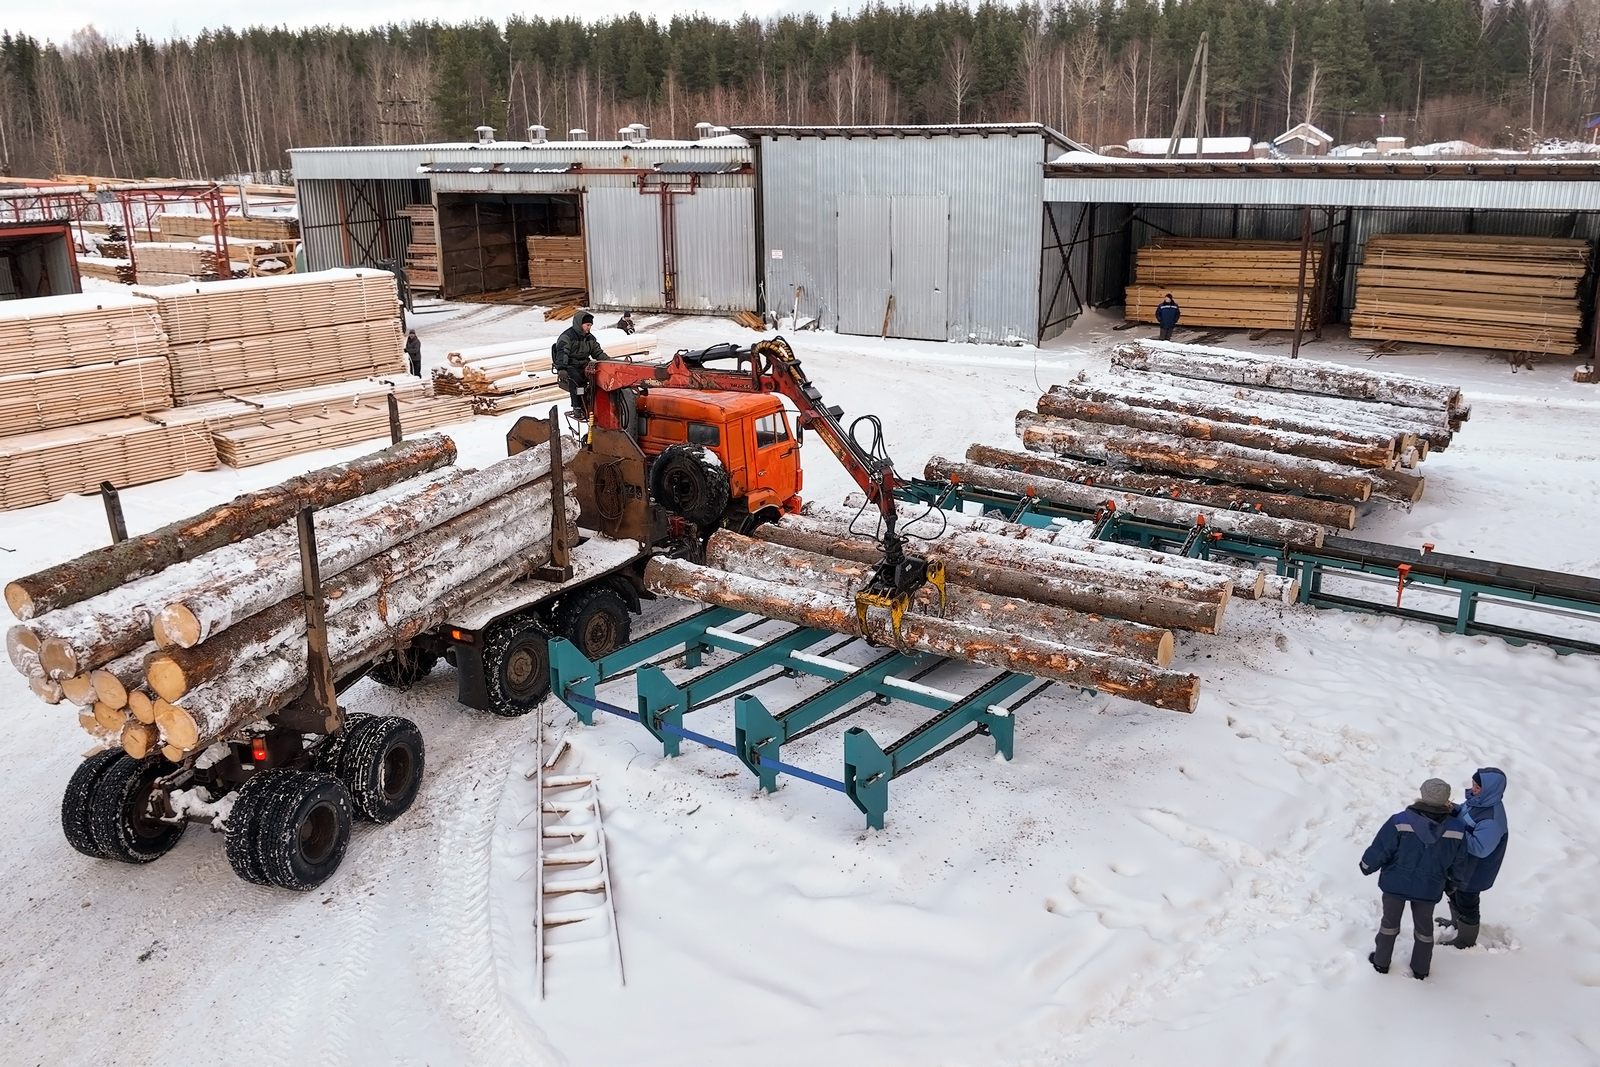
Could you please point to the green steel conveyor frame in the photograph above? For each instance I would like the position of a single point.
(661, 705)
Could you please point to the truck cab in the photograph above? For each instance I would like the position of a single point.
(749, 434)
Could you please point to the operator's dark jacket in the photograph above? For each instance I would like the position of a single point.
(572, 353)
(1168, 313)
(1417, 852)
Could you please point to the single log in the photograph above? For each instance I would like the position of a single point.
(172, 672)
(1282, 587)
(108, 717)
(1283, 442)
(1198, 459)
(173, 753)
(22, 646)
(1064, 534)
(139, 739)
(1299, 375)
(113, 681)
(107, 568)
(45, 689)
(1160, 394)
(140, 706)
(86, 720)
(1040, 582)
(78, 689)
(1140, 507)
(1398, 485)
(838, 577)
(1226, 497)
(190, 617)
(1005, 650)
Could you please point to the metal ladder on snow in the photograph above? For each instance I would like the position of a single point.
(574, 913)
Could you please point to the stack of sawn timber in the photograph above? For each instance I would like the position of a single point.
(1516, 294)
(1221, 282)
(259, 334)
(502, 377)
(1258, 446)
(74, 370)
(422, 251)
(180, 638)
(260, 228)
(557, 263)
(1050, 603)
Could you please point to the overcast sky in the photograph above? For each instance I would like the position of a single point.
(169, 18)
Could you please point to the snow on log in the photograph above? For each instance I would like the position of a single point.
(1065, 534)
(788, 566)
(1298, 375)
(1201, 459)
(919, 632)
(1140, 507)
(1227, 497)
(190, 616)
(1036, 580)
(1381, 455)
(1214, 401)
(115, 565)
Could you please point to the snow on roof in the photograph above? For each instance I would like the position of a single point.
(239, 285)
(731, 140)
(1157, 146)
(1305, 131)
(1081, 157)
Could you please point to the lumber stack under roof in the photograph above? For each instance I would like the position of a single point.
(257, 334)
(504, 377)
(1516, 294)
(557, 263)
(422, 252)
(1220, 282)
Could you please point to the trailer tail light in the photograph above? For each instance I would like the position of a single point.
(258, 749)
(462, 637)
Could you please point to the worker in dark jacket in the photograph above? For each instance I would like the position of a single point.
(571, 355)
(414, 352)
(1418, 851)
(1487, 834)
(1167, 314)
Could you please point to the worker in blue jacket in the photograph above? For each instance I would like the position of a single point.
(1167, 314)
(1418, 851)
(1487, 834)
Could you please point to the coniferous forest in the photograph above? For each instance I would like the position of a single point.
(1501, 74)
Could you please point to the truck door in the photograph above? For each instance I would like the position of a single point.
(777, 457)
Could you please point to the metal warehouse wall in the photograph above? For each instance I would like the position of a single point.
(39, 264)
(994, 190)
(367, 208)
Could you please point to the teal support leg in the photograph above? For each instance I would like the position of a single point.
(661, 702)
(1466, 610)
(572, 672)
(1003, 728)
(867, 771)
(757, 736)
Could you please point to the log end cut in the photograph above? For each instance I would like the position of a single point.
(19, 600)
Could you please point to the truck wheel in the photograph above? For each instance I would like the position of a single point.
(383, 764)
(302, 829)
(595, 620)
(77, 802)
(516, 666)
(119, 814)
(403, 668)
(329, 752)
(687, 482)
(240, 824)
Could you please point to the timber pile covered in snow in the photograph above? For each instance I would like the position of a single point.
(1260, 446)
(515, 374)
(174, 639)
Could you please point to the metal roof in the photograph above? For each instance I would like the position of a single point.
(964, 129)
(1374, 192)
(1327, 167)
(695, 166)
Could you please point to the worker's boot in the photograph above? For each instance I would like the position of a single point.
(1466, 936)
(1422, 955)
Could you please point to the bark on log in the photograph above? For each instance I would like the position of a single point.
(1041, 582)
(1301, 375)
(1066, 535)
(1179, 423)
(1158, 394)
(172, 672)
(809, 570)
(924, 633)
(1139, 507)
(1226, 497)
(413, 604)
(1197, 459)
(115, 565)
(190, 616)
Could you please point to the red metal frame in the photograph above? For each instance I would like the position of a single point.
(153, 198)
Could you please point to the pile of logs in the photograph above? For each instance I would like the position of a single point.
(1259, 446)
(177, 639)
(1517, 294)
(1219, 282)
(255, 334)
(503, 377)
(422, 251)
(1052, 603)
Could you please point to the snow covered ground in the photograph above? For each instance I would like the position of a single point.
(1135, 887)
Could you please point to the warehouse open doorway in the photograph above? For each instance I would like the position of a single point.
(37, 259)
(515, 247)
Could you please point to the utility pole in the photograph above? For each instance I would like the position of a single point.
(1196, 71)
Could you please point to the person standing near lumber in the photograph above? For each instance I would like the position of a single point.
(414, 353)
(1167, 314)
(571, 355)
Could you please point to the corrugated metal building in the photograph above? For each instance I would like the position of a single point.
(37, 259)
(935, 232)
(666, 225)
